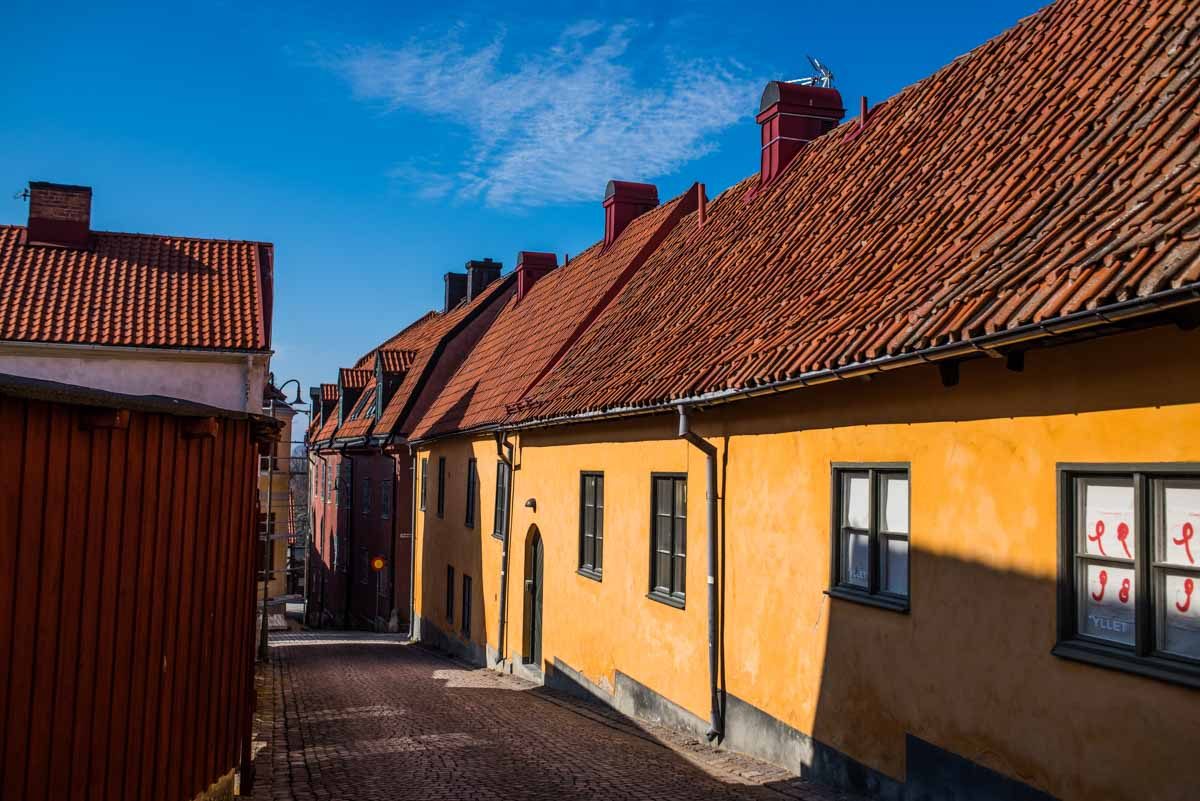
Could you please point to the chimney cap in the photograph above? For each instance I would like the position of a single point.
(63, 187)
(534, 258)
(826, 99)
(631, 191)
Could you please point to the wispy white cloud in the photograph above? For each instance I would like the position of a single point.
(553, 125)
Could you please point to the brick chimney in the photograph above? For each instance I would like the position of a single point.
(456, 290)
(532, 266)
(59, 214)
(480, 274)
(791, 116)
(623, 201)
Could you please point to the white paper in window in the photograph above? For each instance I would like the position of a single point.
(1108, 603)
(1108, 521)
(1182, 500)
(894, 563)
(893, 504)
(855, 570)
(1181, 634)
(856, 492)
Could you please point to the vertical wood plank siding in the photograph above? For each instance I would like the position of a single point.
(126, 606)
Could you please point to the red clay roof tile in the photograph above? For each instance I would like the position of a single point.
(1054, 169)
(137, 290)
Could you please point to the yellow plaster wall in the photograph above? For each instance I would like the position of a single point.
(969, 669)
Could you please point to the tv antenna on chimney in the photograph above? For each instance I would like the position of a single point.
(822, 76)
(22, 195)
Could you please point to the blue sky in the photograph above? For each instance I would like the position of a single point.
(379, 145)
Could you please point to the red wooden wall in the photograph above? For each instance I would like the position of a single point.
(126, 605)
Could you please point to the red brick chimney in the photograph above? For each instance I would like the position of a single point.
(59, 214)
(624, 201)
(791, 116)
(532, 266)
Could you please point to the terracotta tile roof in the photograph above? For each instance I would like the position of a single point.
(405, 339)
(399, 416)
(361, 419)
(329, 392)
(354, 378)
(137, 290)
(530, 334)
(1054, 169)
(394, 361)
(328, 428)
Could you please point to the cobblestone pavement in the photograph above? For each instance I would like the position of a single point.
(347, 716)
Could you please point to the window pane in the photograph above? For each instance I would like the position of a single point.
(855, 549)
(680, 497)
(599, 550)
(679, 577)
(599, 525)
(589, 551)
(1181, 626)
(1108, 603)
(893, 503)
(1108, 519)
(893, 565)
(589, 491)
(599, 490)
(662, 533)
(1181, 501)
(856, 500)
(662, 491)
(680, 537)
(662, 571)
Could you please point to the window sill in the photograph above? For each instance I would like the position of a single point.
(878, 601)
(594, 575)
(497, 535)
(669, 600)
(1154, 667)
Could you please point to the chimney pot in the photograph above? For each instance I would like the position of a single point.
(791, 116)
(59, 214)
(530, 267)
(623, 202)
(480, 273)
(456, 290)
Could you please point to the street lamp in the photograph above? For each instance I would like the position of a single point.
(263, 652)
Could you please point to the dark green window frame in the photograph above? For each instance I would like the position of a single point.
(1148, 653)
(465, 628)
(500, 519)
(591, 524)
(871, 588)
(441, 487)
(472, 484)
(668, 538)
(424, 480)
(449, 593)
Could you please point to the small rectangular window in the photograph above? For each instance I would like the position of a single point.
(1129, 572)
(385, 498)
(366, 496)
(668, 538)
(500, 523)
(424, 479)
(441, 488)
(591, 524)
(466, 606)
(449, 593)
(472, 483)
(870, 534)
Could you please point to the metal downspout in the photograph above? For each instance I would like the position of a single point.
(412, 549)
(717, 729)
(391, 561)
(502, 445)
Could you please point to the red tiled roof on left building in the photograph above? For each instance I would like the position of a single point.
(61, 282)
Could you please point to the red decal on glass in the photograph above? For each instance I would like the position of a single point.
(1186, 540)
(1122, 535)
(1124, 594)
(1099, 596)
(1188, 586)
(1098, 538)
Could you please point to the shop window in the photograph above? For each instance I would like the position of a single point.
(500, 524)
(1129, 573)
(472, 483)
(668, 538)
(591, 524)
(870, 534)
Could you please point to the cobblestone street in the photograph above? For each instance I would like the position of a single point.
(349, 716)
